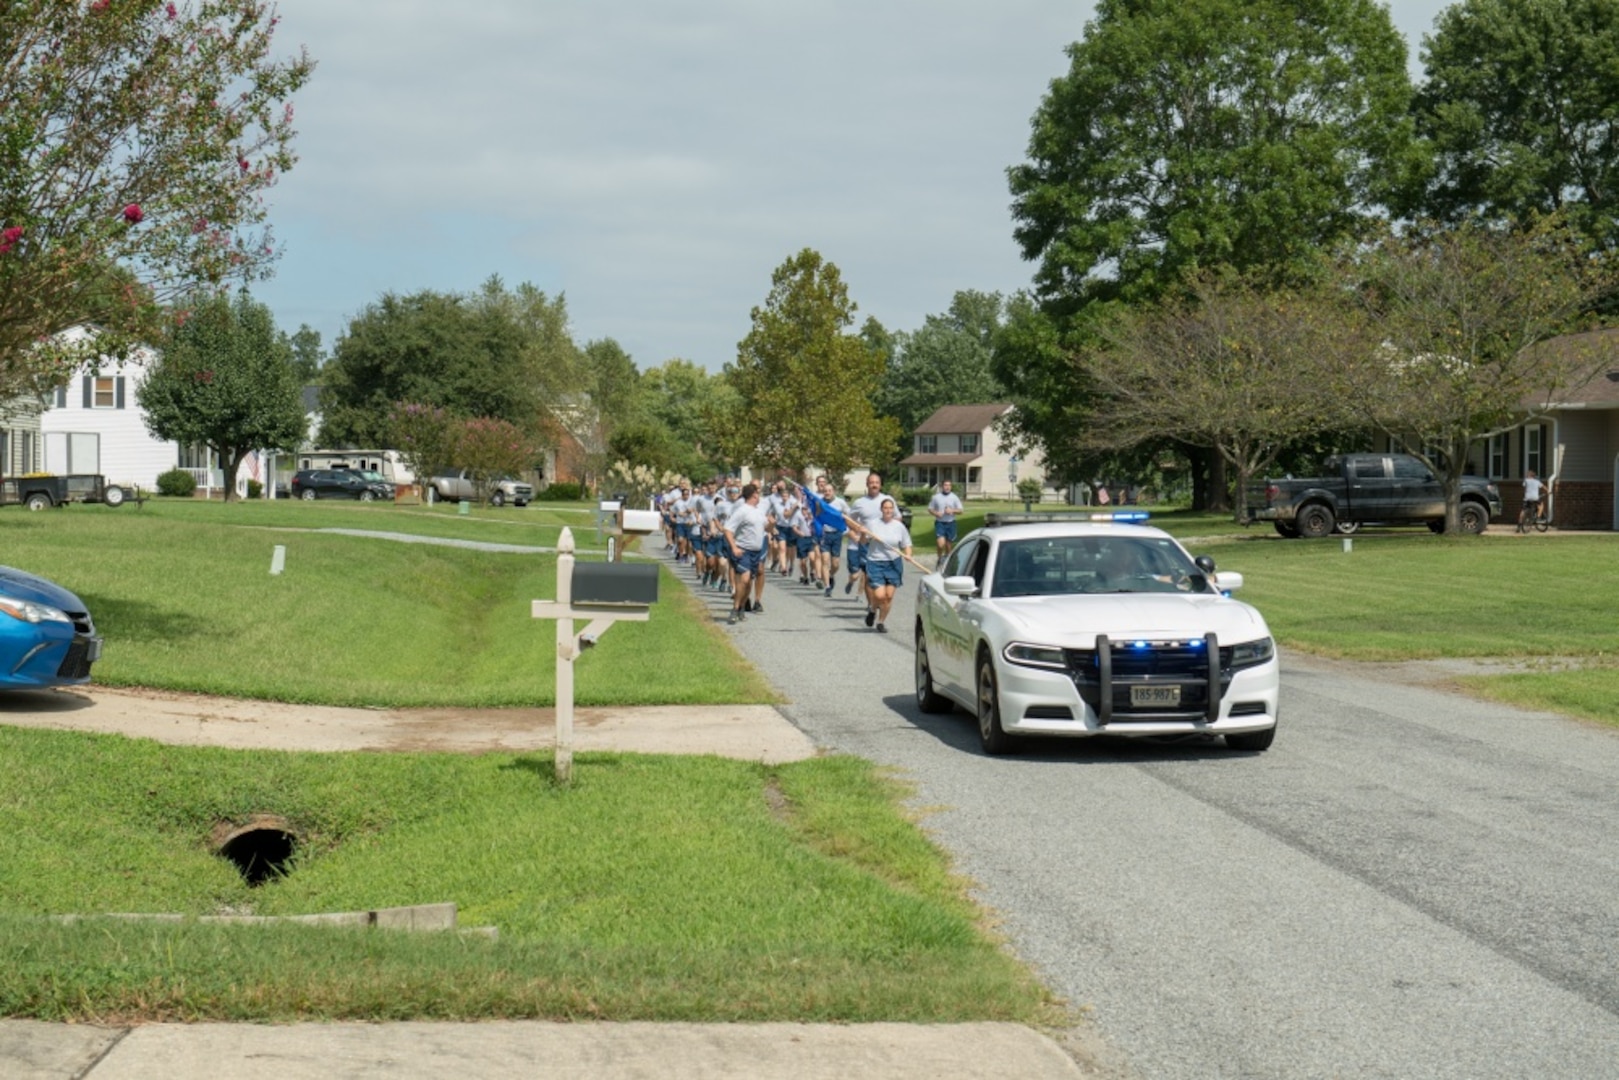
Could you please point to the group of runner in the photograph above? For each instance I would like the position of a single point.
(734, 535)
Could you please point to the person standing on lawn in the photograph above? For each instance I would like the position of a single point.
(745, 536)
(887, 542)
(944, 506)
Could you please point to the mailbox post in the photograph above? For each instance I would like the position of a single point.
(603, 593)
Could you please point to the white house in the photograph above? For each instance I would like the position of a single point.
(959, 443)
(92, 424)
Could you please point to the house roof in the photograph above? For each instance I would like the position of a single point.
(1598, 348)
(941, 459)
(961, 419)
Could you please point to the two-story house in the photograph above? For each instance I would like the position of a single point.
(959, 443)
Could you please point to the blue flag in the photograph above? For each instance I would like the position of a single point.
(823, 513)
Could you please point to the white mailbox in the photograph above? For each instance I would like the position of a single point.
(640, 522)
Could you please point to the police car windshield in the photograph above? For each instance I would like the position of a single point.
(1070, 565)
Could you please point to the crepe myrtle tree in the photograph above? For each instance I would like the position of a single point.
(224, 378)
(1460, 316)
(427, 436)
(137, 139)
(491, 448)
(1226, 365)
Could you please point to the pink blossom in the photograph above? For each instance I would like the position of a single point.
(242, 162)
(9, 238)
(100, 5)
(134, 214)
(173, 12)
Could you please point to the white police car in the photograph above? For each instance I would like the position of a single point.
(1078, 625)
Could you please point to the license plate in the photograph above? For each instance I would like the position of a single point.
(95, 650)
(1144, 696)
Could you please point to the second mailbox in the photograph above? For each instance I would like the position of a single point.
(615, 584)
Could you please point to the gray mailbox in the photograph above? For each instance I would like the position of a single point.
(615, 584)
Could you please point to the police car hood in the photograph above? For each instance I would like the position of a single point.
(1074, 621)
(21, 585)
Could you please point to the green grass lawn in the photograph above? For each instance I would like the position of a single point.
(653, 888)
(1402, 595)
(183, 596)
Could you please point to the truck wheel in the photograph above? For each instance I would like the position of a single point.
(498, 499)
(1473, 518)
(1286, 529)
(38, 501)
(112, 495)
(1315, 521)
(1346, 528)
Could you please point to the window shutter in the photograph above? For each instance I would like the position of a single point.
(118, 390)
(89, 392)
(61, 396)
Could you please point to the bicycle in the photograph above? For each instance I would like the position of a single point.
(1540, 522)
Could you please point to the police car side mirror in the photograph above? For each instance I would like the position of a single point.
(960, 586)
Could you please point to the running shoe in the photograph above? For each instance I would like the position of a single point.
(736, 617)
(758, 608)
(881, 629)
(871, 616)
(849, 588)
(829, 592)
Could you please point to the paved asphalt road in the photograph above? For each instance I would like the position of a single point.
(1409, 884)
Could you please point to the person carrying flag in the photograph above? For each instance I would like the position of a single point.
(831, 513)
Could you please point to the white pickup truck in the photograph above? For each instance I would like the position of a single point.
(456, 485)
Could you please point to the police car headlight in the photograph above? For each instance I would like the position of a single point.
(1253, 653)
(1040, 656)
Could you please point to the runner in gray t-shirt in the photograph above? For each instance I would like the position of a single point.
(745, 536)
(944, 506)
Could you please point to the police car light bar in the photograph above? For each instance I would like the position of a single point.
(1123, 517)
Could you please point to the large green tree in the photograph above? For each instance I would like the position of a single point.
(806, 383)
(137, 139)
(498, 353)
(1521, 104)
(1191, 135)
(946, 361)
(685, 405)
(225, 379)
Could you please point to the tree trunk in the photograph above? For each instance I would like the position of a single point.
(230, 459)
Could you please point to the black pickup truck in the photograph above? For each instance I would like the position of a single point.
(1367, 489)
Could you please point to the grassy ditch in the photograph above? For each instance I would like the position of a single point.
(654, 888)
(183, 596)
(1412, 596)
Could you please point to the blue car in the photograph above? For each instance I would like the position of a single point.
(46, 636)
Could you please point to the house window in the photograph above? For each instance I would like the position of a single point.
(927, 444)
(106, 394)
(972, 476)
(1534, 449)
(1498, 457)
(969, 444)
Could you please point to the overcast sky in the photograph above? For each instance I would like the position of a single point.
(655, 160)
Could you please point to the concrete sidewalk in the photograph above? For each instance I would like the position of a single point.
(500, 1049)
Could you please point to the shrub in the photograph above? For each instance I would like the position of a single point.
(1029, 489)
(177, 482)
(918, 496)
(255, 490)
(561, 492)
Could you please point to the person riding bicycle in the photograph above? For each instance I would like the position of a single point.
(1532, 491)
